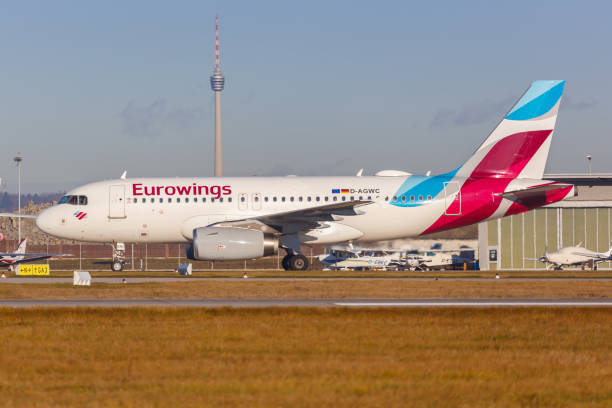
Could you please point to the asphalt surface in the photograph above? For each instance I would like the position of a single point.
(187, 279)
(210, 303)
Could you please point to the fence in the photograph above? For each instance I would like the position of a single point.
(152, 256)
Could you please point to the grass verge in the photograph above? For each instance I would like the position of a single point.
(249, 289)
(306, 357)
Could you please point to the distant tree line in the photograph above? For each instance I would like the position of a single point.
(8, 202)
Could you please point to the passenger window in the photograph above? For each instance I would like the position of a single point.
(257, 198)
(335, 198)
(403, 198)
(212, 199)
(203, 199)
(169, 200)
(429, 197)
(152, 200)
(283, 199)
(178, 199)
(195, 199)
(274, 199)
(161, 200)
(394, 198)
(308, 198)
(352, 198)
(387, 198)
(411, 198)
(266, 199)
(326, 198)
(242, 199)
(360, 198)
(135, 200)
(229, 199)
(420, 198)
(343, 198)
(300, 198)
(144, 200)
(369, 198)
(318, 199)
(220, 199)
(291, 199)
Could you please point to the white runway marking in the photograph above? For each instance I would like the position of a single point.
(475, 304)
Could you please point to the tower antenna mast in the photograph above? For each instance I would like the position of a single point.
(217, 83)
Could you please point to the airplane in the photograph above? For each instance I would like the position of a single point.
(233, 218)
(360, 259)
(10, 259)
(573, 255)
(436, 258)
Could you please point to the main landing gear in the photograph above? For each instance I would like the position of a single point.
(296, 262)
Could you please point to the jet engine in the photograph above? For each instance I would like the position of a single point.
(229, 244)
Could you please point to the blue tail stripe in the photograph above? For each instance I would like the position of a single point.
(541, 97)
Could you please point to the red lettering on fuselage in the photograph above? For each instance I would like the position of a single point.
(216, 191)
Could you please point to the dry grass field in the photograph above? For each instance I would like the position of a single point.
(306, 357)
(251, 289)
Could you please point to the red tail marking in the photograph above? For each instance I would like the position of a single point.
(502, 164)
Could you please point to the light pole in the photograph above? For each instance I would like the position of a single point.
(18, 159)
(588, 156)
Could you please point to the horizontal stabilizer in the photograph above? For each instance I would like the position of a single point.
(532, 192)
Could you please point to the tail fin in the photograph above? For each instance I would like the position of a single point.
(518, 147)
(21, 249)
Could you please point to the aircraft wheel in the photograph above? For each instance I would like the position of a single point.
(298, 263)
(117, 266)
(285, 262)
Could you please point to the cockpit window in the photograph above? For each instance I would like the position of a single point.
(74, 200)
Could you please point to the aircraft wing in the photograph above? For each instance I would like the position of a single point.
(306, 218)
(33, 254)
(34, 258)
(532, 192)
(596, 256)
(18, 215)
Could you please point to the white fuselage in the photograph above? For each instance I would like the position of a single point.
(124, 211)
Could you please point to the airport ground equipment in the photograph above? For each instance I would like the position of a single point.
(81, 278)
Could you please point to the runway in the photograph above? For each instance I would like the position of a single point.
(118, 280)
(368, 303)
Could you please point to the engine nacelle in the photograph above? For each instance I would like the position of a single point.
(230, 244)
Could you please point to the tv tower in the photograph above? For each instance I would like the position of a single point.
(217, 81)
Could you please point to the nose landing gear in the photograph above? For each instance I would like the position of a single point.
(118, 257)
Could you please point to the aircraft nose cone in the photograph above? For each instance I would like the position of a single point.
(44, 221)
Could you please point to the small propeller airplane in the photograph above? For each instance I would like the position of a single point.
(10, 259)
(573, 255)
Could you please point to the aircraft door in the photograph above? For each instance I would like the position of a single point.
(243, 201)
(116, 201)
(256, 201)
(452, 198)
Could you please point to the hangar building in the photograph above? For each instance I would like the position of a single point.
(585, 219)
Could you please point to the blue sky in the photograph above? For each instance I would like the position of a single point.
(89, 89)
